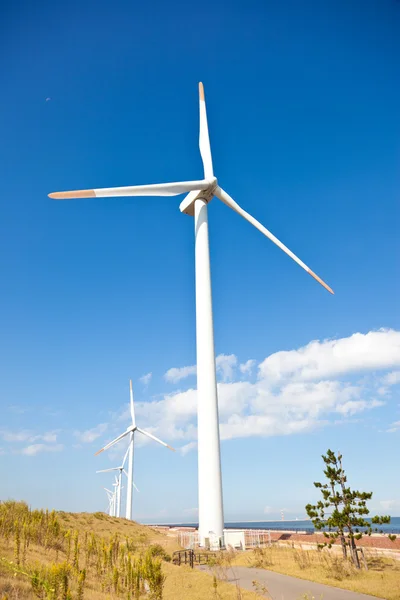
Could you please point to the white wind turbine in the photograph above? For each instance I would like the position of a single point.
(131, 430)
(211, 520)
(121, 470)
(111, 502)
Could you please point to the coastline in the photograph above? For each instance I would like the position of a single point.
(374, 541)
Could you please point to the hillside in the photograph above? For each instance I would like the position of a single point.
(68, 556)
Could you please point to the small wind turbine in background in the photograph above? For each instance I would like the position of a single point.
(131, 430)
(119, 478)
(200, 193)
(111, 502)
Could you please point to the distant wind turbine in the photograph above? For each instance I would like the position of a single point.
(119, 488)
(200, 193)
(111, 502)
(131, 430)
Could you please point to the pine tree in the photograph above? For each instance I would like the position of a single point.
(342, 511)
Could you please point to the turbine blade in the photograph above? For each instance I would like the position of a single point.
(153, 437)
(125, 473)
(226, 199)
(157, 189)
(131, 404)
(134, 485)
(108, 470)
(125, 457)
(204, 140)
(107, 446)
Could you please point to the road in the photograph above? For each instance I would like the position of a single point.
(284, 587)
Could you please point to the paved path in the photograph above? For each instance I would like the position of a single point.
(284, 587)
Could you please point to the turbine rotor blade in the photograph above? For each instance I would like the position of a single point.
(125, 457)
(157, 189)
(204, 139)
(131, 404)
(153, 437)
(108, 470)
(107, 446)
(134, 485)
(226, 199)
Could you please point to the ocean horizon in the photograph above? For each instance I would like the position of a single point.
(295, 525)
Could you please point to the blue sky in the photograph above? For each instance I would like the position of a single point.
(303, 108)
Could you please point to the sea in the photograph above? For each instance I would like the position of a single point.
(294, 526)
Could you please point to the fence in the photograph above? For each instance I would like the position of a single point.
(257, 537)
(190, 557)
(252, 538)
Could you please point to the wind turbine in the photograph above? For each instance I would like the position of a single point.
(211, 518)
(121, 470)
(131, 430)
(111, 503)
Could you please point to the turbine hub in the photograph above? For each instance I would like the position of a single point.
(187, 205)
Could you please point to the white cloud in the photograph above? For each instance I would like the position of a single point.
(225, 364)
(90, 435)
(25, 435)
(248, 366)
(267, 510)
(392, 378)
(187, 448)
(34, 449)
(331, 358)
(145, 379)
(176, 374)
(354, 406)
(322, 383)
(393, 427)
(16, 436)
(49, 437)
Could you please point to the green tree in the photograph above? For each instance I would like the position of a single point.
(342, 511)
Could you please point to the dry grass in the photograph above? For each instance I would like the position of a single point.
(184, 583)
(67, 556)
(382, 579)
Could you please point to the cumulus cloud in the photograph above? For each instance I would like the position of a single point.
(388, 504)
(176, 374)
(331, 358)
(34, 449)
(296, 391)
(225, 364)
(145, 379)
(248, 366)
(90, 435)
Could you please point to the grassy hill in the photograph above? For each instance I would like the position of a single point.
(85, 556)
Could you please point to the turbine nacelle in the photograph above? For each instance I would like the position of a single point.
(187, 205)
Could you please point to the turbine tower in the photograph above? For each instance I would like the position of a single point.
(131, 430)
(199, 194)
